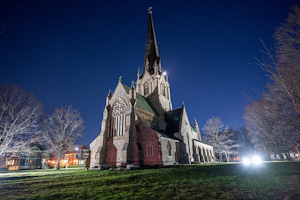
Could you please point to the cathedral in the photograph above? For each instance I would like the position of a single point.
(139, 125)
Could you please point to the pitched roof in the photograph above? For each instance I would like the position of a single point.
(38, 145)
(201, 141)
(160, 133)
(192, 128)
(142, 102)
(173, 118)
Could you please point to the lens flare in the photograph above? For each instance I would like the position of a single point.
(246, 161)
(256, 160)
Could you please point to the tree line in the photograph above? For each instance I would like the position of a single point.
(23, 122)
(274, 118)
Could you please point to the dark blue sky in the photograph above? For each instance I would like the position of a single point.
(72, 52)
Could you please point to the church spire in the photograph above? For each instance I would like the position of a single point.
(152, 58)
(196, 126)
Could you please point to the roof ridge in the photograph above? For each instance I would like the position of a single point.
(157, 131)
(192, 128)
(201, 141)
(146, 105)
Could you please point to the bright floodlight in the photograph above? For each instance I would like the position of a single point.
(246, 161)
(256, 160)
(76, 148)
(164, 73)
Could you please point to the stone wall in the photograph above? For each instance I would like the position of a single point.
(166, 158)
(186, 149)
(203, 152)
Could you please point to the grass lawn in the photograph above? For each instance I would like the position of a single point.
(271, 180)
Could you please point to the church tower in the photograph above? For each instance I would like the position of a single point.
(153, 83)
(139, 125)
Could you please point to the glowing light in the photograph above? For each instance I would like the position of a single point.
(256, 160)
(164, 73)
(246, 161)
(76, 148)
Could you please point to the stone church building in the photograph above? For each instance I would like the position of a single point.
(139, 124)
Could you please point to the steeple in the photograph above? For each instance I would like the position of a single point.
(132, 93)
(196, 126)
(152, 58)
(108, 97)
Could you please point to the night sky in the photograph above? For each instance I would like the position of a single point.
(72, 52)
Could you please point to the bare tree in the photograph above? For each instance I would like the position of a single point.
(19, 116)
(275, 117)
(246, 147)
(218, 136)
(283, 67)
(287, 69)
(235, 137)
(61, 128)
(275, 134)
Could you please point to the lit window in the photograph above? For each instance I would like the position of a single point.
(169, 149)
(117, 121)
(149, 149)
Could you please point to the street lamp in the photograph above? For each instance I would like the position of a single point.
(79, 162)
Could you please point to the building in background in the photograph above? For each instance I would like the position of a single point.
(76, 156)
(28, 160)
(292, 156)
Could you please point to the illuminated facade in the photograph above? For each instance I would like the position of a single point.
(139, 124)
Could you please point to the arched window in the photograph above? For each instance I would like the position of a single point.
(169, 149)
(200, 156)
(149, 149)
(117, 121)
(163, 89)
(188, 142)
(208, 156)
(167, 93)
(147, 88)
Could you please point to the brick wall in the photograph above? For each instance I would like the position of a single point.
(111, 152)
(147, 136)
